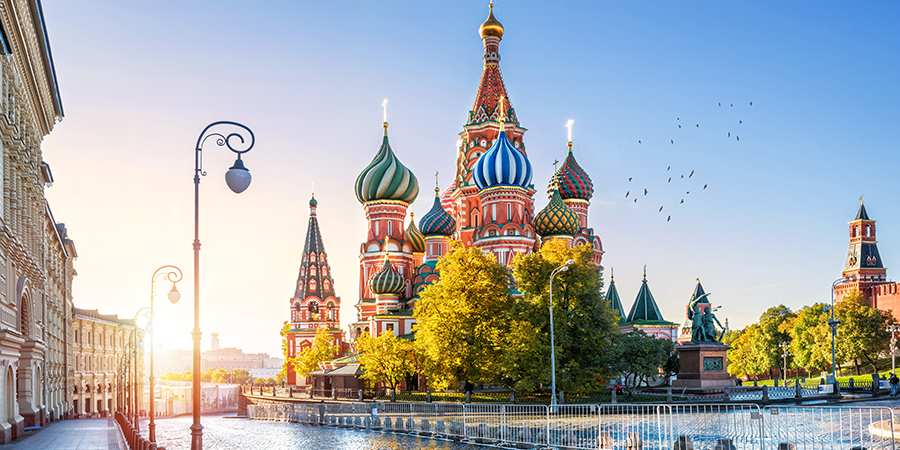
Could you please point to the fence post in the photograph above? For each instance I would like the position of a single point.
(669, 394)
(393, 395)
(468, 396)
(360, 395)
(428, 397)
(684, 443)
(850, 385)
(727, 394)
(765, 393)
(562, 397)
(799, 393)
(334, 393)
(613, 401)
(512, 397)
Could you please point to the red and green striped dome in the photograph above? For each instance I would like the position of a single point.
(556, 219)
(572, 180)
(387, 280)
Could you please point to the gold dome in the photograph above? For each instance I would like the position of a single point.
(491, 27)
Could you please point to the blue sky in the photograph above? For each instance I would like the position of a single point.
(139, 81)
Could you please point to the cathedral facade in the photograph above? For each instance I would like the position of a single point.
(489, 205)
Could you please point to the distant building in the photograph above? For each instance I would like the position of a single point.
(864, 268)
(102, 344)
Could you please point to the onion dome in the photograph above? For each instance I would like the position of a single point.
(387, 280)
(571, 180)
(502, 165)
(313, 202)
(556, 219)
(437, 222)
(385, 178)
(491, 26)
(414, 237)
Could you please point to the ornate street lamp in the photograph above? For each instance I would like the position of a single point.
(238, 179)
(137, 346)
(173, 275)
(893, 329)
(833, 323)
(559, 269)
(784, 347)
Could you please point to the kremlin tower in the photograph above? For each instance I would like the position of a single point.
(314, 304)
(864, 269)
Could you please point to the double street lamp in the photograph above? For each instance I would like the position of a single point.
(238, 180)
(553, 274)
(833, 323)
(784, 347)
(893, 329)
(173, 275)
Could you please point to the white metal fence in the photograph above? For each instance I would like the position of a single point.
(611, 426)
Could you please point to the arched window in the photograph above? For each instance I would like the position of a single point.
(312, 285)
(868, 231)
(326, 285)
(312, 271)
(855, 231)
(313, 311)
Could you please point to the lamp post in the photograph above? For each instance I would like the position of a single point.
(553, 274)
(238, 179)
(173, 275)
(893, 329)
(784, 347)
(833, 323)
(138, 342)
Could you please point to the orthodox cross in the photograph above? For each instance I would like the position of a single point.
(569, 126)
(384, 108)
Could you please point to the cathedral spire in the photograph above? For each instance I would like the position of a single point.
(315, 274)
(491, 90)
(645, 307)
(612, 297)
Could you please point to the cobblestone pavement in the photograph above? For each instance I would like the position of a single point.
(86, 434)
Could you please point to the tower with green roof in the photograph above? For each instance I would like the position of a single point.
(646, 316)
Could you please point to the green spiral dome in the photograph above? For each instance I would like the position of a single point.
(556, 219)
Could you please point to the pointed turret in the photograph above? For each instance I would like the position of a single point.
(612, 296)
(491, 90)
(644, 308)
(315, 274)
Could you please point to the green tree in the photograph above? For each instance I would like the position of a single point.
(386, 358)
(585, 326)
(766, 351)
(321, 350)
(462, 318)
(861, 333)
(172, 377)
(288, 361)
(810, 338)
(641, 357)
(221, 376)
(739, 355)
(241, 376)
(207, 375)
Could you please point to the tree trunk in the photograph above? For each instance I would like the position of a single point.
(856, 363)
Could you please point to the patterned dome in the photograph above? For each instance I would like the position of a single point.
(571, 180)
(437, 222)
(502, 165)
(312, 201)
(385, 178)
(414, 237)
(556, 218)
(387, 280)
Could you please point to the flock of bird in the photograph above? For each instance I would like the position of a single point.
(691, 174)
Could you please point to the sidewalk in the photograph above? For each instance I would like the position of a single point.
(84, 434)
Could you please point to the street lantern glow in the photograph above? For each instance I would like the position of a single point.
(174, 295)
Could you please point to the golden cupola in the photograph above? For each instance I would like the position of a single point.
(491, 27)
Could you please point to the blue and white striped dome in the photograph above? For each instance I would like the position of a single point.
(502, 165)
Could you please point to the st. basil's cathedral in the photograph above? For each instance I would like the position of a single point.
(489, 205)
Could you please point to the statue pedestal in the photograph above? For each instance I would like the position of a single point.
(703, 366)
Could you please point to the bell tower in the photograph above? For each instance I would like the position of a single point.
(863, 266)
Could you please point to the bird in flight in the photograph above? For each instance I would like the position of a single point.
(670, 180)
(688, 192)
(704, 186)
(740, 121)
(629, 178)
(645, 191)
(729, 134)
(682, 176)
(720, 103)
(738, 137)
(732, 104)
(639, 141)
(678, 118)
(751, 103)
(672, 141)
(698, 125)
(692, 174)
(635, 200)
(679, 126)
(667, 168)
(670, 218)
(626, 194)
(682, 201)
(660, 209)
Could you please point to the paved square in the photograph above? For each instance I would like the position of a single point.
(86, 434)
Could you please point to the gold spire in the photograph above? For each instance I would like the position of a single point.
(502, 118)
(491, 27)
(645, 273)
(437, 188)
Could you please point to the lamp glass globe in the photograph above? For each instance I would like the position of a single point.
(238, 177)
(174, 295)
